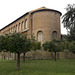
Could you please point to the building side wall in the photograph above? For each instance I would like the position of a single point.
(10, 28)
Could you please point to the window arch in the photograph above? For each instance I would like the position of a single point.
(54, 34)
(26, 23)
(40, 36)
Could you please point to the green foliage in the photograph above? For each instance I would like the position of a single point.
(35, 45)
(27, 44)
(72, 46)
(14, 42)
(69, 16)
(69, 21)
(46, 46)
(4, 42)
(71, 36)
(53, 46)
(66, 45)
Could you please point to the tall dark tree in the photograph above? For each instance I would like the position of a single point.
(69, 21)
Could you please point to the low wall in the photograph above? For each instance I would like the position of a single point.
(39, 54)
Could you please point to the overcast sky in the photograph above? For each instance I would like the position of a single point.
(10, 10)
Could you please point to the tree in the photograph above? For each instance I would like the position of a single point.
(71, 36)
(72, 46)
(66, 45)
(4, 43)
(27, 46)
(20, 44)
(69, 21)
(2, 38)
(53, 46)
(35, 45)
(15, 43)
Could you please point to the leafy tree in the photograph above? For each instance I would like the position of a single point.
(35, 45)
(66, 45)
(2, 39)
(53, 46)
(71, 36)
(27, 46)
(15, 43)
(69, 21)
(72, 46)
(4, 43)
(20, 44)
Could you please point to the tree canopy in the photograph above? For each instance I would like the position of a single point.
(53, 46)
(72, 47)
(69, 21)
(16, 43)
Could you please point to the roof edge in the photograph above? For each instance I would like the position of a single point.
(46, 10)
(14, 21)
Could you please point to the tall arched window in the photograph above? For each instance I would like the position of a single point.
(22, 25)
(19, 26)
(40, 36)
(26, 23)
(16, 28)
(54, 34)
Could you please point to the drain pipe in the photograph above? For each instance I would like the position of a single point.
(31, 19)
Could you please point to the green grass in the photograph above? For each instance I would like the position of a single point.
(38, 67)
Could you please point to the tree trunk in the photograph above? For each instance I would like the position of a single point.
(24, 57)
(15, 57)
(4, 55)
(55, 57)
(18, 61)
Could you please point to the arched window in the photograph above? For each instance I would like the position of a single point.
(11, 29)
(54, 34)
(26, 23)
(22, 25)
(16, 28)
(40, 36)
(19, 26)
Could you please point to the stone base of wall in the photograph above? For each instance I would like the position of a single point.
(39, 54)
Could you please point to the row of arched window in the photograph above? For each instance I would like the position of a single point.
(17, 28)
(40, 35)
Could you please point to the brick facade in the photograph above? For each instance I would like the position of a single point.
(43, 19)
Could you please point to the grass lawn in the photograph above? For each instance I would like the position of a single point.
(38, 67)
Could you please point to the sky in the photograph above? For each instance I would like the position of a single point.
(10, 10)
